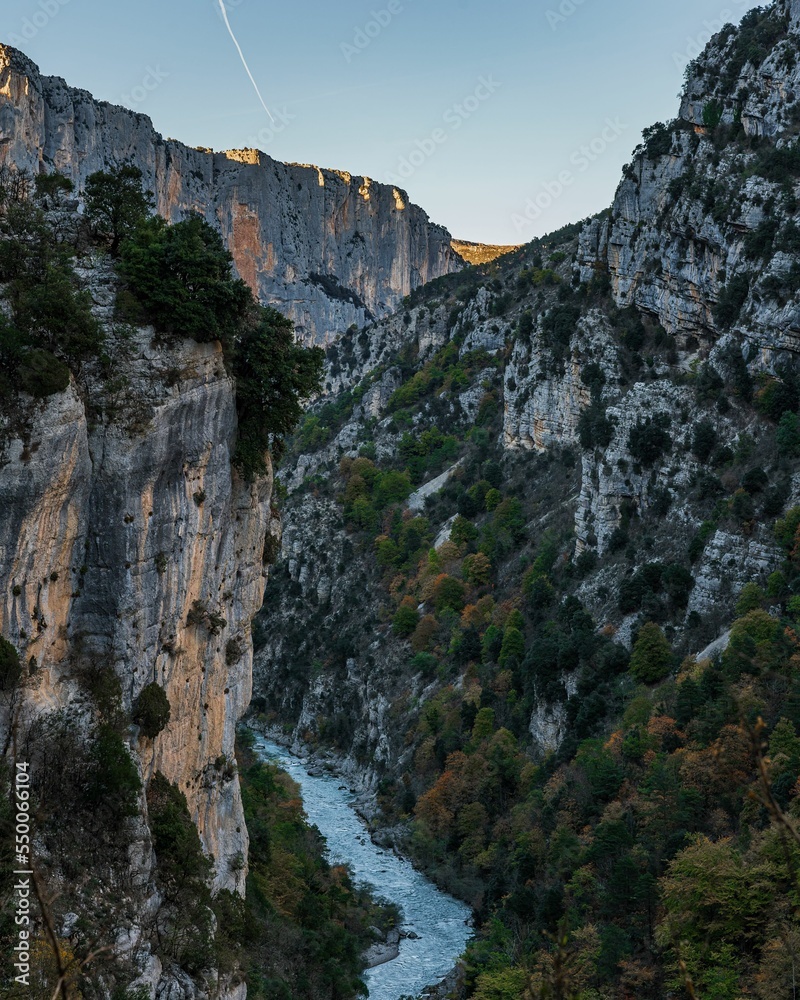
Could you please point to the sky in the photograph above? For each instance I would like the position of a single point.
(503, 119)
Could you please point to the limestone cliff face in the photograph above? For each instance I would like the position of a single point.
(325, 248)
(700, 208)
(677, 231)
(113, 533)
(122, 511)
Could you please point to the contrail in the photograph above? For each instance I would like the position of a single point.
(244, 61)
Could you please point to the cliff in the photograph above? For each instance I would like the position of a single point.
(326, 248)
(122, 512)
(596, 362)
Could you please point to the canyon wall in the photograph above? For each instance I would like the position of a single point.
(326, 248)
(126, 529)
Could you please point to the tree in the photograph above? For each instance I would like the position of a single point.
(449, 594)
(41, 374)
(274, 377)
(424, 634)
(181, 279)
(116, 204)
(478, 569)
(649, 440)
(751, 599)
(151, 711)
(651, 660)
(788, 435)
(53, 186)
(405, 620)
(513, 646)
(10, 667)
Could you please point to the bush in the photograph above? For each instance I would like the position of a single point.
(650, 440)
(182, 876)
(41, 374)
(732, 298)
(704, 440)
(595, 429)
(10, 666)
(151, 711)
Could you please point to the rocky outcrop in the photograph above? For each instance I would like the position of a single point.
(677, 233)
(326, 248)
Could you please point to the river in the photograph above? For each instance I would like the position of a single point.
(441, 922)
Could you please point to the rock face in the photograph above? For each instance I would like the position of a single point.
(107, 544)
(325, 248)
(609, 354)
(114, 530)
(676, 234)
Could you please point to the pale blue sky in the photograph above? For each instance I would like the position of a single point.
(552, 82)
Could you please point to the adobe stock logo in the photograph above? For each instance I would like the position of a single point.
(151, 81)
(364, 36)
(581, 160)
(31, 26)
(454, 118)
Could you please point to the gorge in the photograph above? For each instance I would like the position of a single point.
(529, 561)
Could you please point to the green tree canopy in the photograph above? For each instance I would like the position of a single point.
(116, 204)
(181, 279)
(652, 655)
(274, 376)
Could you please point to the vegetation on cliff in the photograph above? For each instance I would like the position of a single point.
(71, 289)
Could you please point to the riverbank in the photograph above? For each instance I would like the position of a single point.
(436, 926)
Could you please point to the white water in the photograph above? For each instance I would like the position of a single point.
(440, 921)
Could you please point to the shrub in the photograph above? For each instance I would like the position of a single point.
(559, 325)
(650, 440)
(704, 440)
(732, 298)
(10, 666)
(651, 660)
(595, 429)
(151, 711)
(712, 114)
(182, 875)
(755, 481)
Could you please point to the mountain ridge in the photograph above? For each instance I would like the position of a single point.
(282, 222)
